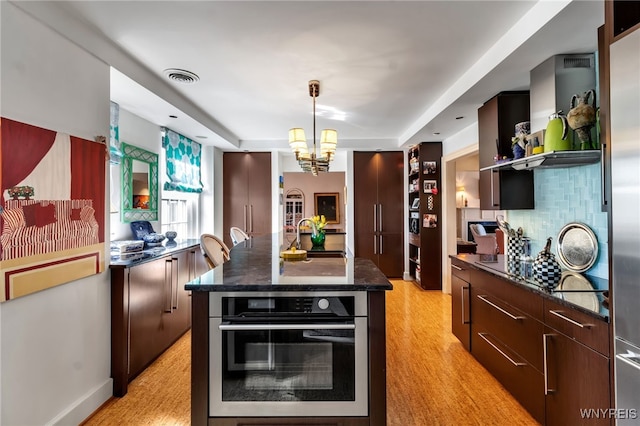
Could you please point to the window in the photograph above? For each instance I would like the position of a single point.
(180, 214)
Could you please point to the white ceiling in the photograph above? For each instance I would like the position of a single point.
(392, 73)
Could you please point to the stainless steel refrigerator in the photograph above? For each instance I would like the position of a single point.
(625, 222)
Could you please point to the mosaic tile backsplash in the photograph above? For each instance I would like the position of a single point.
(562, 196)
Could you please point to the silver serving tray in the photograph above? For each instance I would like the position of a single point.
(577, 247)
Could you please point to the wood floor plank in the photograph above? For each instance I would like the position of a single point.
(431, 378)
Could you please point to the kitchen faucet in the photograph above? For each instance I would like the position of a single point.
(297, 241)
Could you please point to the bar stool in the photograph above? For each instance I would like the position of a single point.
(214, 250)
(237, 235)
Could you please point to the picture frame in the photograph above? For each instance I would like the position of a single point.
(430, 221)
(429, 167)
(327, 204)
(429, 185)
(416, 203)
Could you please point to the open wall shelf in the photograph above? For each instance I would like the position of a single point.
(552, 159)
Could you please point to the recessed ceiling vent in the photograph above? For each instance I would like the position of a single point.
(578, 62)
(181, 76)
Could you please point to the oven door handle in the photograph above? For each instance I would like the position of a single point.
(262, 327)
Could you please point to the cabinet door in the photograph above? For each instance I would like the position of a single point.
(488, 132)
(235, 187)
(460, 315)
(258, 167)
(391, 213)
(490, 190)
(178, 316)
(391, 254)
(576, 378)
(365, 207)
(148, 298)
(502, 190)
(390, 170)
(247, 193)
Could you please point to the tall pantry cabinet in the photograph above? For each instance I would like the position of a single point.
(247, 193)
(378, 209)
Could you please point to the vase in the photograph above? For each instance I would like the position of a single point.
(317, 239)
(518, 152)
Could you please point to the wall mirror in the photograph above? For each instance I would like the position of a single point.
(139, 179)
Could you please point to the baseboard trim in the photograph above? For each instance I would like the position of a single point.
(85, 406)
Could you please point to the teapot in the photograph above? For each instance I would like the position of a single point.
(556, 137)
(582, 117)
(546, 269)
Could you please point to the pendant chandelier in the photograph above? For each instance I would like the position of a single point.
(310, 161)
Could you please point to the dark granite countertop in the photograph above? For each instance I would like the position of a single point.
(128, 260)
(583, 301)
(255, 265)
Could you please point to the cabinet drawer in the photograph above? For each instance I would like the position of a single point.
(521, 333)
(461, 270)
(584, 328)
(527, 301)
(460, 312)
(523, 381)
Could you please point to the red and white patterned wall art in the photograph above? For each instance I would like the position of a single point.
(53, 210)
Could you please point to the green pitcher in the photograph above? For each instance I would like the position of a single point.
(557, 137)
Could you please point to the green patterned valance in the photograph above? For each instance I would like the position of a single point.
(115, 154)
(183, 162)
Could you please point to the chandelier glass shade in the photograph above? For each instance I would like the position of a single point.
(310, 161)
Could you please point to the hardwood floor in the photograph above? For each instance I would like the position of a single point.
(431, 378)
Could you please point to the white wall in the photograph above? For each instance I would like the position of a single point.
(55, 344)
(137, 131)
(325, 183)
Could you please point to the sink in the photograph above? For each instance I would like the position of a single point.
(325, 253)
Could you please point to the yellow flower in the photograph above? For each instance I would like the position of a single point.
(319, 222)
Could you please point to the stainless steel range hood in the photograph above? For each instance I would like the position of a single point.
(555, 81)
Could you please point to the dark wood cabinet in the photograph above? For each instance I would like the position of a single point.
(506, 338)
(621, 18)
(378, 209)
(577, 360)
(554, 359)
(148, 297)
(247, 193)
(502, 189)
(577, 378)
(460, 304)
(150, 311)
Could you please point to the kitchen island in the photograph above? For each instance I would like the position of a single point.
(277, 342)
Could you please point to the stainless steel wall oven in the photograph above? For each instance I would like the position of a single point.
(288, 354)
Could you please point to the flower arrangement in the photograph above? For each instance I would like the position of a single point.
(319, 222)
(21, 191)
(317, 230)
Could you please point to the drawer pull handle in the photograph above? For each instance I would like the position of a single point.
(507, 313)
(545, 350)
(517, 364)
(464, 319)
(457, 267)
(559, 315)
